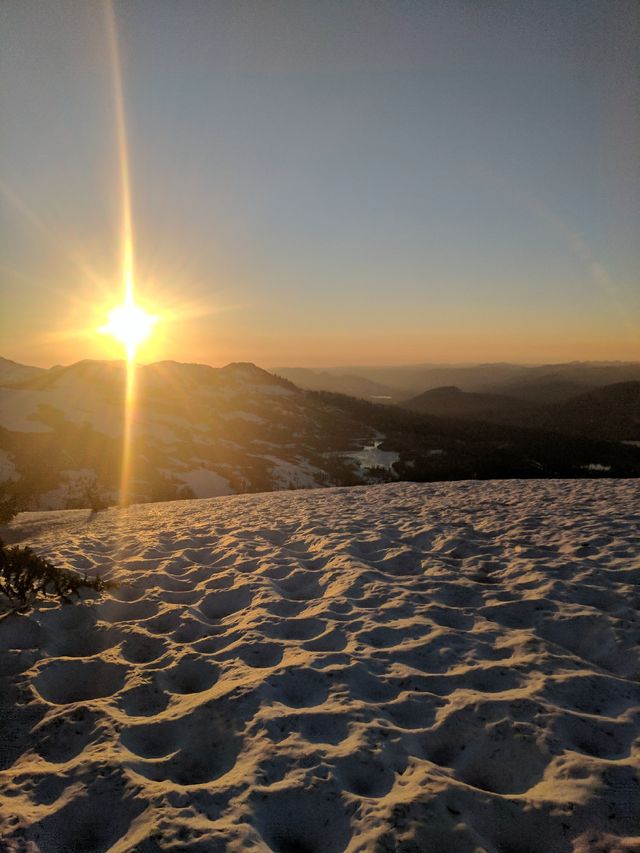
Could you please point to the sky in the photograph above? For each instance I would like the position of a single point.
(324, 183)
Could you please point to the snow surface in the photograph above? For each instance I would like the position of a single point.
(444, 667)
(205, 483)
(286, 475)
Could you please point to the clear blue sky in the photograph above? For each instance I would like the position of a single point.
(323, 183)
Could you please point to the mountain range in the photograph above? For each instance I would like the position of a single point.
(549, 383)
(203, 431)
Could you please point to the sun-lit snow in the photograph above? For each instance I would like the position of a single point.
(448, 667)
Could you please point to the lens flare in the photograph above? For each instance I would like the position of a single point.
(128, 323)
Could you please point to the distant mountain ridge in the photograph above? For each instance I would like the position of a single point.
(354, 386)
(11, 371)
(536, 383)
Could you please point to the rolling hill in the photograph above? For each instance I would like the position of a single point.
(451, 402)
(611, 412)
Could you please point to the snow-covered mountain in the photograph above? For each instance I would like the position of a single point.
(198, 431)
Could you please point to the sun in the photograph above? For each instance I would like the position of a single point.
(129, 324)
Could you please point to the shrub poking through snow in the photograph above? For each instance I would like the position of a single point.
(24, 575)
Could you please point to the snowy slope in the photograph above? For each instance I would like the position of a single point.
(447, 667)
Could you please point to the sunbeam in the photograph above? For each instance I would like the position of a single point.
(126, 245)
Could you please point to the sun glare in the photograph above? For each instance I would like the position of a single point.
(129, 324)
